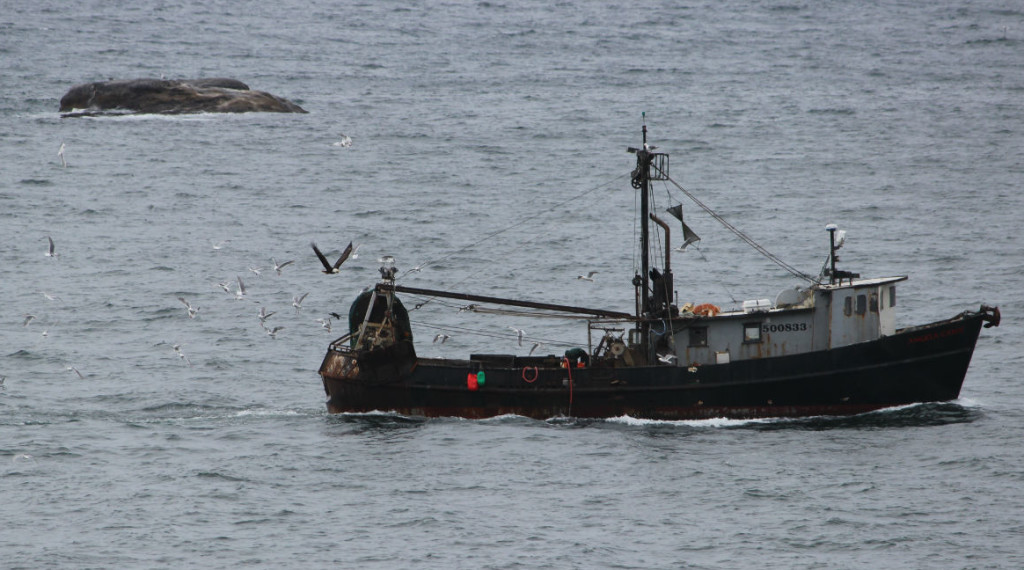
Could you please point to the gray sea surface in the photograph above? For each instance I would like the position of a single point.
(489, 148)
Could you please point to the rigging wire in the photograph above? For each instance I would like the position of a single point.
(749, 241)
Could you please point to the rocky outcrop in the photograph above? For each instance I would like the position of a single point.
(172, 96)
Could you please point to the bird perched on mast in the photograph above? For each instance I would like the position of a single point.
(328, 268)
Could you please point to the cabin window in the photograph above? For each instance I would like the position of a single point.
(848, 306)
(699, 336)
(892, 296)
(862, 304)
(873, 303)
(751, 333)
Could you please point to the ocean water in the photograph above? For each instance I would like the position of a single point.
(489, 149)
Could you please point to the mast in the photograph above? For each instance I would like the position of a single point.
(641, 180)
(643, 159)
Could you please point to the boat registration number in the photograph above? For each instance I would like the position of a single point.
(784, 327)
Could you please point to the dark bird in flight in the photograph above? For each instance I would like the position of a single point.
(328, 268)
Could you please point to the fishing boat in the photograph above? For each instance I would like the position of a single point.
(827, 347)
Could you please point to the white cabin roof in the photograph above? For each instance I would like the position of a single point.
(858, 283)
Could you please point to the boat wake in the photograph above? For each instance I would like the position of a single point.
(912, 415)
(909, 416)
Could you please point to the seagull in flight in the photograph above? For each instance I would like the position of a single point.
(51, 251)
(273, 332)
(328, 268)
(297, 301)
(28, 319)
(587, 277)
(75, 370)
(181, 355)
(60, 153)
(441, 337)
(225, 285)
(519, 334)
(345, 142)
(256, 270)
(667, 358)
(240, 293)
(191, 310)
(325, 323)
(279, 266)
(264, 315)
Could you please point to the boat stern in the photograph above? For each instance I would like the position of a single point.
(346, 373)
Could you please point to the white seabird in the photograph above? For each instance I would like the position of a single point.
(240, 293)
(279, 266)
(191, 310)
(519, 334)
(263, 315)
(51, 251)
(181, 355)
(325, 323)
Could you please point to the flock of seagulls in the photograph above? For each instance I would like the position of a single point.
(240, 293)
(237, 289)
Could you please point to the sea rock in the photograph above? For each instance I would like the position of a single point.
(172, 96)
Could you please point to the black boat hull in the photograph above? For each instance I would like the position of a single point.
(920, 364)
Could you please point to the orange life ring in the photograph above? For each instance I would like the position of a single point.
(536, 374)
(707, 309)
